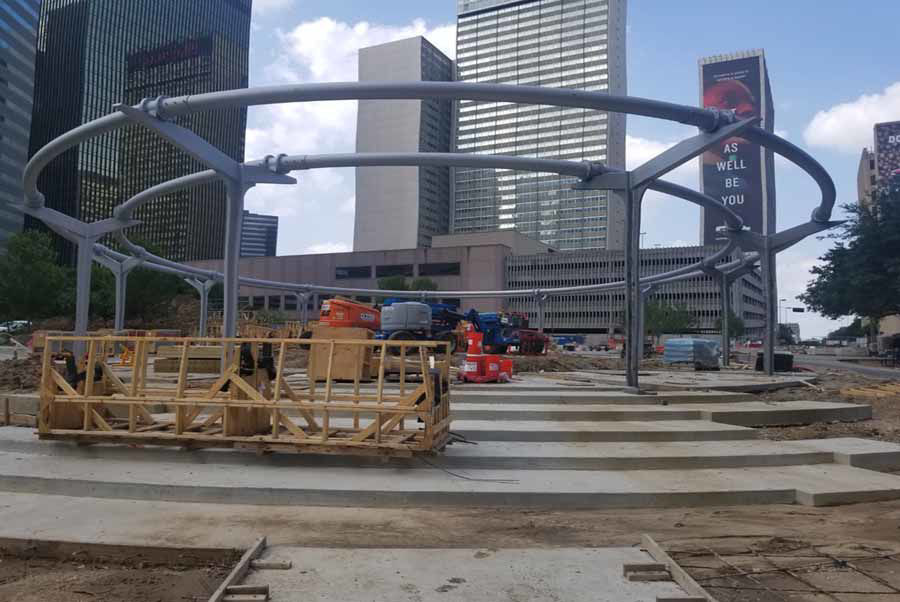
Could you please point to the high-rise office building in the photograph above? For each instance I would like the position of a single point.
(402, 207)
(738, 173)
(577, 44)
(18, 27)
(259, 235)
(95, 53)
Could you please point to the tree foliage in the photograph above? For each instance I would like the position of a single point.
(31, 282)
(855, 329)
(736, 326)
(860, 275)
(399, 283)
(664, 318)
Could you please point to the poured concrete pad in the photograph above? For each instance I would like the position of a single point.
(569, 430)
(265, 485)
(458, 575)
(505, 394)
(749, 413)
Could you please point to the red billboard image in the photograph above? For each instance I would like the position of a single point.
(732, 171)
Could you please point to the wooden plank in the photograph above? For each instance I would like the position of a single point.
(48, 390)
(220, 382)
(99, 421)
(89, 368)
(115, 380)
(309, 417)
(379, 391)
(293, 428)
(681, 577)
(238, 572)
(248, 589)
(274, 565)
(182, 370)
(328, 372)
(61, 382)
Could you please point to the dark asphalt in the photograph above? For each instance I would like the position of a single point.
(818, 361)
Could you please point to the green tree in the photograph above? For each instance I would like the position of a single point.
(854, 329)
(30, 279)
(860, 275)
(399, 283)
(423, 283)
(736, 326)
(393, 283)
(786, 335)
(664, 318)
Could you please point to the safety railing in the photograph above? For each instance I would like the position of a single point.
(356, 396)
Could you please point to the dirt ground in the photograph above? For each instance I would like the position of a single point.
(563, 362)
(40, 580)
(885, 426)
(20, 374)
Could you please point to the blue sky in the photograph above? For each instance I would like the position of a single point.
(833, 68)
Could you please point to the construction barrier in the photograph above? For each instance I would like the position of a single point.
(248, 402)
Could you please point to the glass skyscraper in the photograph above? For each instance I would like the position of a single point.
(259, 235)
(18, 25)
(577, 44)
(95, 53)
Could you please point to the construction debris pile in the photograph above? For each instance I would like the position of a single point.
(21, 374)
(563, 362)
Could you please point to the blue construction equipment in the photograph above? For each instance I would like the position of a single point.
(408, 321)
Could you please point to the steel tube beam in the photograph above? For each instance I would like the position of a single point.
(770, 292)
(725, 312)
(235, 213)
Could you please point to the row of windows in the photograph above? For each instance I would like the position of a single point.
(381, 271)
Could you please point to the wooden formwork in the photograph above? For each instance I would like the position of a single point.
(250, 402)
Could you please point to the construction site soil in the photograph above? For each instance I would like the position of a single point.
(23, 374)
(46, 580)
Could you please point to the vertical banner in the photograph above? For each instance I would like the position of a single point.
(733, 172)
(887, 151)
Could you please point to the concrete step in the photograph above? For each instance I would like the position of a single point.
(863, 453)
(822, 484)
(753, 413)
(571, 430)
(502, 395)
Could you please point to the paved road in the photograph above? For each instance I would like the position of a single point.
(818, 361)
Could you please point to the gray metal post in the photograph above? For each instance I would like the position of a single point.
(770, 292)
(725, 297)
(235, 214)
(83, 290)
(541, 300)
(121, 277)
(634, 341)
(203, 287)
(302, 307)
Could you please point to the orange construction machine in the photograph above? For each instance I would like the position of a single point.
(343, 313)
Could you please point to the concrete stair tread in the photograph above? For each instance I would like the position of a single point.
(817, 484)
(593, 426)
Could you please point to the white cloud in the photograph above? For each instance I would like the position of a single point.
(348, 206)
(327, 247)
(848, 126)
(319, 50)
(665, 219)
(263, 7)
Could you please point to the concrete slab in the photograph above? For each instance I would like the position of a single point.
(264, 485)
(753, 413)
(683, 379)
(485, 455)
(570, 430)
(862, 453)
(450, 575)
(502, 395)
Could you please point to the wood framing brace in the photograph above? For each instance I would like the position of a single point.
(251, 401)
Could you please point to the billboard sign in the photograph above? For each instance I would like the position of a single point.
(887, 150)
(733, 172)
(170, 53)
